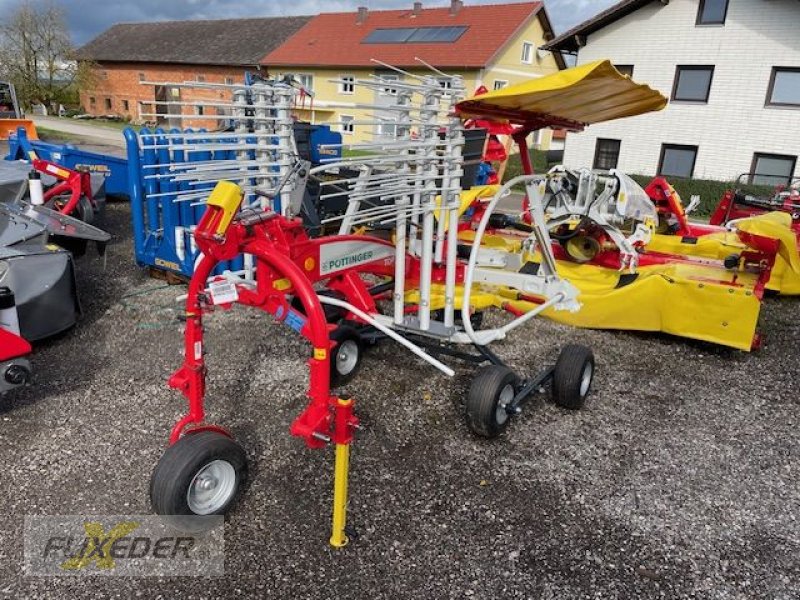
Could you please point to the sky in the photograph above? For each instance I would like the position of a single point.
(88, 18)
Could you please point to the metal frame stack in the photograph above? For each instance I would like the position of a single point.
(171, 173)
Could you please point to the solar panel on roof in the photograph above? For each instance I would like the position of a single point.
(389, 36)
(415, 35)
(437, 34)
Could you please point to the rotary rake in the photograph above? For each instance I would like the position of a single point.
(408, 281)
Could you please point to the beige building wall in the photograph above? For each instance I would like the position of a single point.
(333, 104)
(510, 67)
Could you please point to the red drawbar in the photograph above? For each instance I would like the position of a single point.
(74, 183)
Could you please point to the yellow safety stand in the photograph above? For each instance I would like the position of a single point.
(344, 422)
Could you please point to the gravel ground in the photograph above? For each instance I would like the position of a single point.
(678, 479)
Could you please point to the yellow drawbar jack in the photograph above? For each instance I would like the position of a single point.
(342, 436)
(340, 474)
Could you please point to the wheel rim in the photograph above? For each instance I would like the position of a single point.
(211, 488)
(506, 396)
(346, 357)
(586, 378)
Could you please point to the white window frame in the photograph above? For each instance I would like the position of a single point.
(495, 87)
(532, 47)
(309, 77)
(343, 127)
(447, 85)
(389, 91)
(347, 81)
(387, 128)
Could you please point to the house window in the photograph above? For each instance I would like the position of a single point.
(125, 105)
(201, 78)
(347, 124)
(347, 84)
(446, 84)
(712, 12)
(229, 81)
(625, 69)
(606, 154)
(677, 161)
(306, 81)
(692, 83)
(773, 169)
(108, 103)
(199, 110)
(387, 129)
(784, 87)
(499, 84)
(92, 101)
(141, 77)
(527, 53)
(389, 91)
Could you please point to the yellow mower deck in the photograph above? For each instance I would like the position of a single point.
(692, 300)
(785, 275)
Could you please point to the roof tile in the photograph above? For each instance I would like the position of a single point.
(336, 39)
(236, 42)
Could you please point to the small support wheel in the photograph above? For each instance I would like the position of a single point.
(573, 376)
(490, 394)
(85, 210)
(346, 355)
(198, 475)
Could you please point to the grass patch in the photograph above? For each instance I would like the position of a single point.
(51, 135)
(348, 153)
(99, 123)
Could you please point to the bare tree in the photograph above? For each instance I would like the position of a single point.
(36, 54)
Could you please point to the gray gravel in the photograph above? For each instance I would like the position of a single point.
(679, 478)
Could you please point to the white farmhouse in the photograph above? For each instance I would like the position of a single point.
(731, 69)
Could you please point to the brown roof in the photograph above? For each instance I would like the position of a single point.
(337, 39)
(238, 42)
(567, 42)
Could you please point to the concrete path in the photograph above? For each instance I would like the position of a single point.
(91, 131)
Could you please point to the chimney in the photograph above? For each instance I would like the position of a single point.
(417, 9)
(455, 6)
(362, 15)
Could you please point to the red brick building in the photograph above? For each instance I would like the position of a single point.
(131, 57)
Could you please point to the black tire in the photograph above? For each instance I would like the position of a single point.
(85, 210)
(346, 355)
(572, 378)
(178, 469)
(488, 395)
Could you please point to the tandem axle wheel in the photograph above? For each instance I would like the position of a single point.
(497, 393)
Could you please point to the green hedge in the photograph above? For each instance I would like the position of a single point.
(710, 192)
(514, 167)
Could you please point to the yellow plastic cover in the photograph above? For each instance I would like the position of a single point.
(591, 93)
